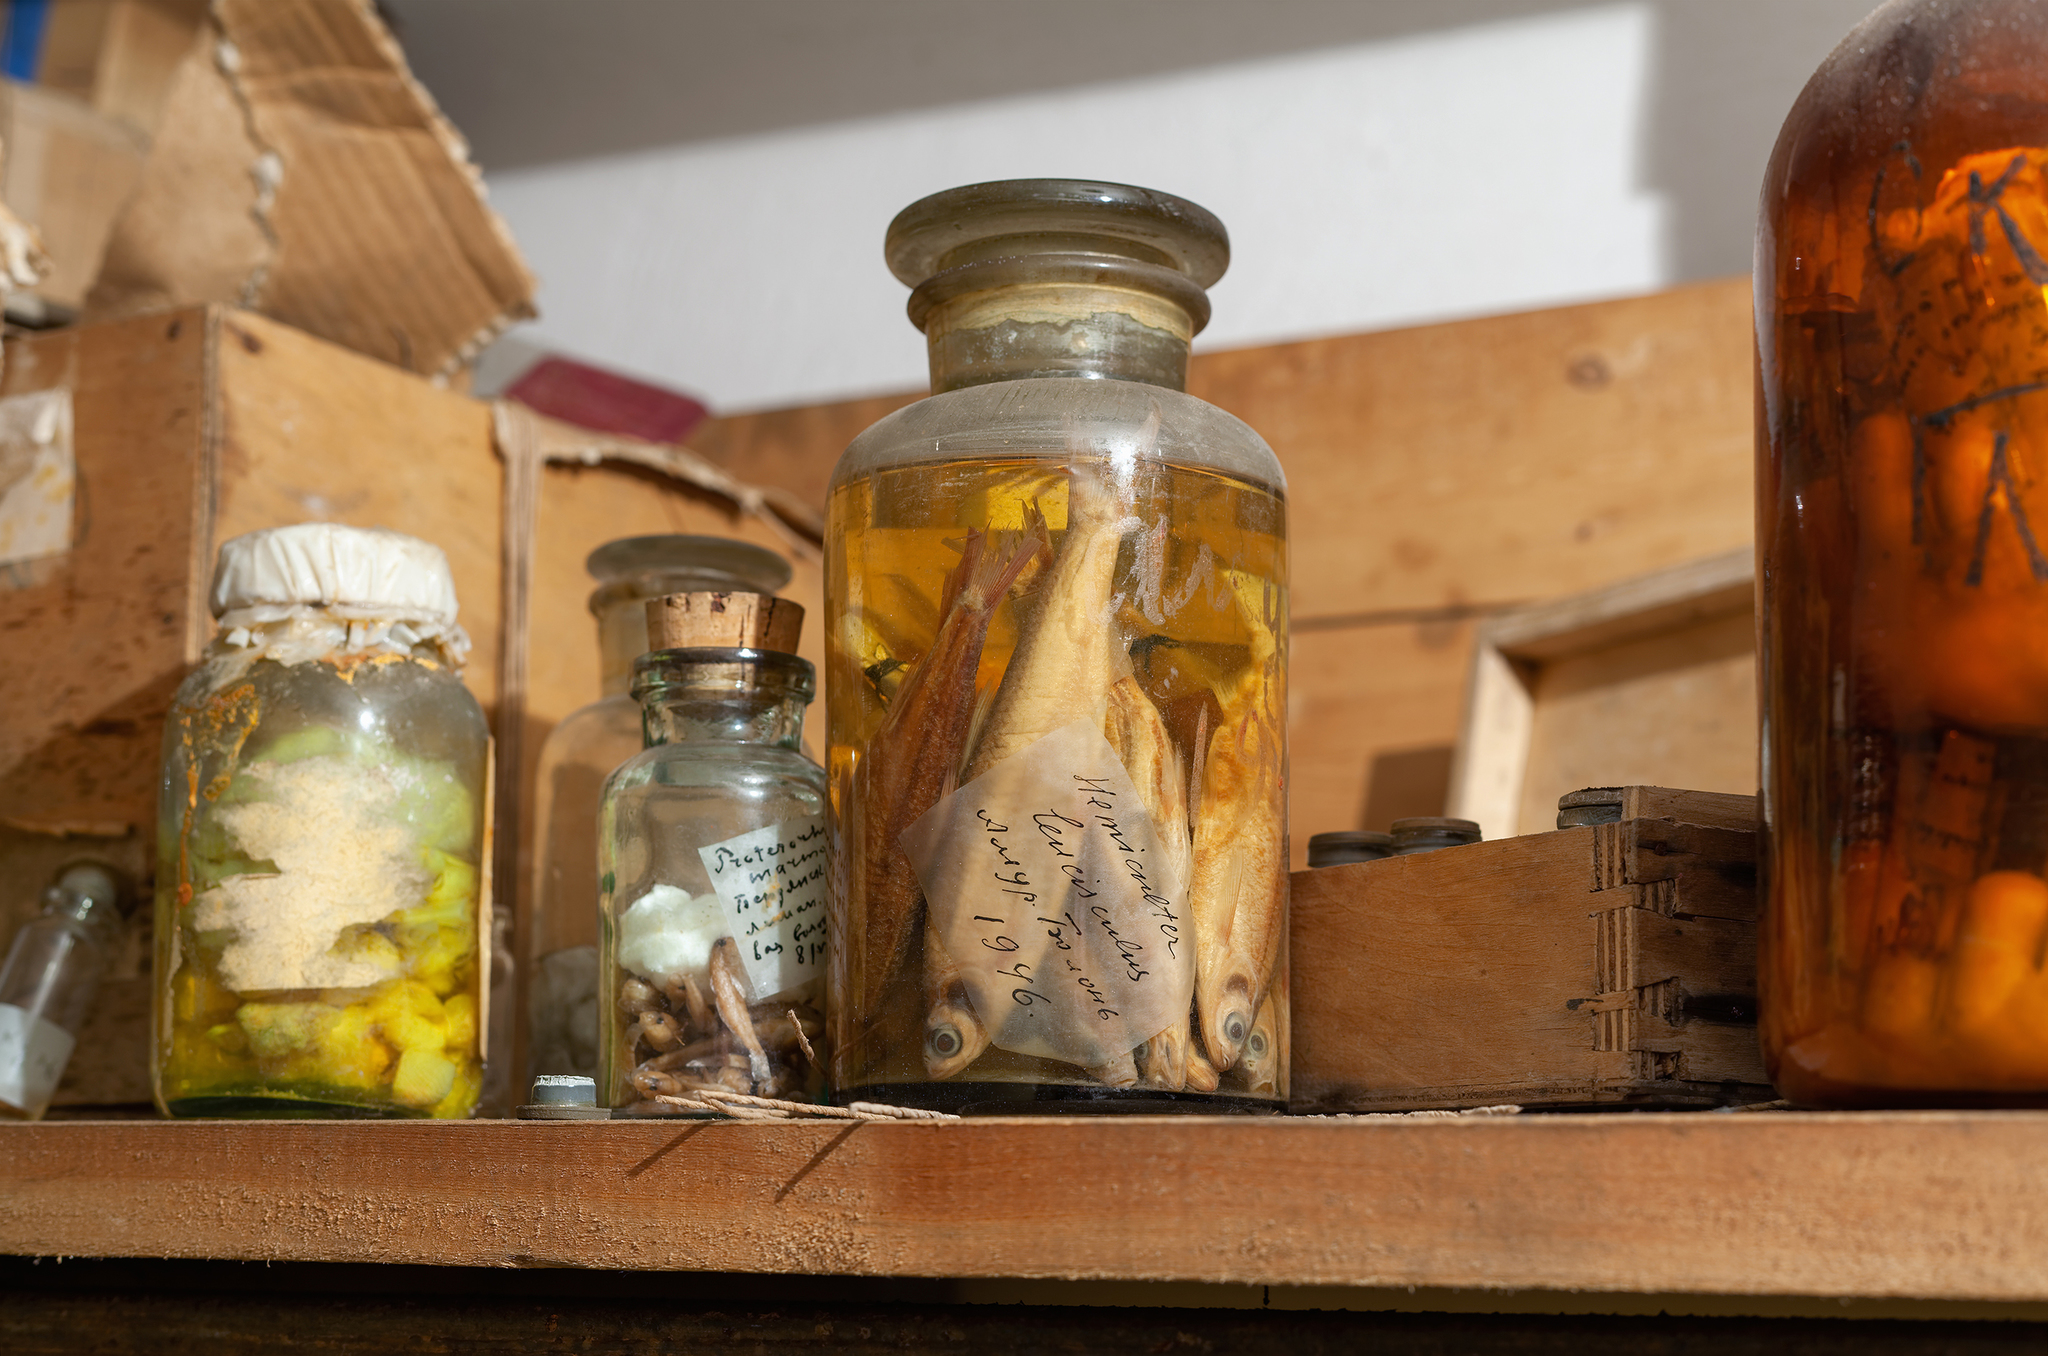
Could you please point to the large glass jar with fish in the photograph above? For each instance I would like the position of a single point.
(1057, 653)
(323, 840)
(1902, 530)
(712, 854)
(557, 934)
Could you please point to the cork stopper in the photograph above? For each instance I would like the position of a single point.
(748, 621)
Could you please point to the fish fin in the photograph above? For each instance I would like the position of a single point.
(972, 552)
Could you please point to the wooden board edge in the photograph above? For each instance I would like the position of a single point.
(1492, 753)
(1643, 606)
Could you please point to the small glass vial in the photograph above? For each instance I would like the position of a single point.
(322, 841)
(47, 985)
(557, 936)
(1057, 649)
(712, 861)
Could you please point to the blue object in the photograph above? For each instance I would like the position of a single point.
(22, 47)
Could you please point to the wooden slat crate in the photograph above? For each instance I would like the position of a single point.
(1607, 965)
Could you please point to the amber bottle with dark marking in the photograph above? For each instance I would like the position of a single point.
(1902, 537)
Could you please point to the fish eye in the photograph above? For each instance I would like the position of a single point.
(1233, 1030)
(1257, 1044)
(944, 1042)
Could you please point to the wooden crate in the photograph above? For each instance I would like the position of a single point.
(1597, 966)
(192, 426)
(1649, 680)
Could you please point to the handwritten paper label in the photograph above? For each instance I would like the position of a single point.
(772, 884)
(1052, 892)
(33, 1053)
(38, 476)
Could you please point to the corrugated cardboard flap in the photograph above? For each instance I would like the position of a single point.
(336, 198)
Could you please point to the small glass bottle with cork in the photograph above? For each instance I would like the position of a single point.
(712, 863)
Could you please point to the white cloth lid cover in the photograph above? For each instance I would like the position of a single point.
(356, 570)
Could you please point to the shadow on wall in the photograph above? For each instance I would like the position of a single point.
(1722, 76)
(535, 82)
(1404, 783)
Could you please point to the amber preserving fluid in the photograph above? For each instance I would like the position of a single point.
(1057, 680)
(1902, 530)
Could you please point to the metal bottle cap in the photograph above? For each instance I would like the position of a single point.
(1348, 845)
(1594, 805)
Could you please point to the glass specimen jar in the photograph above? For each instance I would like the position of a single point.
(558, 941)
(1902, 519)
(322, 839)
(47, 983)
(1057, 648)
(712, 857)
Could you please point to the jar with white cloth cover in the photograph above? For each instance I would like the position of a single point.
(323, 841)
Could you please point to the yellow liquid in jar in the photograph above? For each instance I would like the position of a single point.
(1194, 546)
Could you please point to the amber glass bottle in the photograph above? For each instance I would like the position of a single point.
(1902, 530)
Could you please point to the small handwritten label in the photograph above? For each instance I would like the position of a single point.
(772, 884)
(33, 1053)
(1051, 890)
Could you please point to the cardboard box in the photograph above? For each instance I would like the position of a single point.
(119, 56)
(1600, 966)
(192, 426)
(1650, 680)
(299, 170)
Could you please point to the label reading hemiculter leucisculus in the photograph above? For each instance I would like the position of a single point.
(1050, 888)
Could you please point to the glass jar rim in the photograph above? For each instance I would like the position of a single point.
(723, 668)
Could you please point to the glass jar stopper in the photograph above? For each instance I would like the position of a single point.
(1077, 231)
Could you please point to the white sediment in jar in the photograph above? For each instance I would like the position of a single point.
(668, 933)
(342, 862)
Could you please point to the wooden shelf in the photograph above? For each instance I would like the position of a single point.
(1932, 1205)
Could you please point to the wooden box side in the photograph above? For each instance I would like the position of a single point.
(99, 638)
(1447, 978)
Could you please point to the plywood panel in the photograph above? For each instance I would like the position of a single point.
(1505, 459)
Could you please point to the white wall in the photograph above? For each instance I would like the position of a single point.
(1547, 158)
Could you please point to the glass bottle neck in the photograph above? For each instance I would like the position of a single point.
(1057, 329)
(723, 697)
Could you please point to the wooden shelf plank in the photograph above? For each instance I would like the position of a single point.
(1933, 1205)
